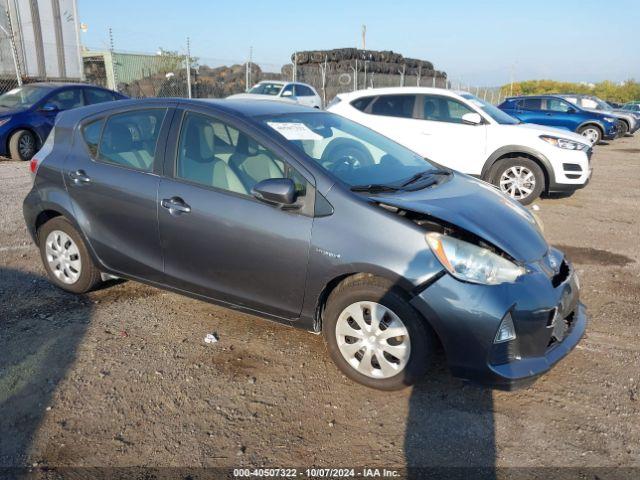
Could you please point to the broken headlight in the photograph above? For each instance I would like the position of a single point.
(471, 263)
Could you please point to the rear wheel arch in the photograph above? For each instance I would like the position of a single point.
(44, 216)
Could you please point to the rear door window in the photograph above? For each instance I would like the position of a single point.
(129, 139)
(362, 103)
(394, 106)
(91, 134)
(530, 104)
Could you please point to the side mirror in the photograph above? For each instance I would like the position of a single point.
(287, 93)
(279, 191)
(49, 108)
(472, 118)
(571, 110)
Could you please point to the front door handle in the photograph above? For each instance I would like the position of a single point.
(79, 177)
(175, 205)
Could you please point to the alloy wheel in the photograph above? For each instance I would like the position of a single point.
(518, 182)
(591, 134)
(26, 146)
(63, 257)
(373, 339)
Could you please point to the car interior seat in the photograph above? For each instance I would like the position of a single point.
(253, 165)
(199, 164)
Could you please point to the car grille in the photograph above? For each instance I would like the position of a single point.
(561, 329)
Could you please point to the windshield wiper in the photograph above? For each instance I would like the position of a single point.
(426, 173)
(373, 188)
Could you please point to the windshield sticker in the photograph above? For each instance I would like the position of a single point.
(294, 131)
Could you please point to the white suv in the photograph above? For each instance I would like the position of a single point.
(460, 131)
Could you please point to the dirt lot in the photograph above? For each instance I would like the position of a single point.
(73, 391)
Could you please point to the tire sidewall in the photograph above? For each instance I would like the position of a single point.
(88, 272)
(419, 336)
(14, 142)
(597, 129)
(502, 165)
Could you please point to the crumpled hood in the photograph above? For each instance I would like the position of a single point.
(479, 208)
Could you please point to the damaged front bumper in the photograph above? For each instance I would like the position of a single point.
(548, 319)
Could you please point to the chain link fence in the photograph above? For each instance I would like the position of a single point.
(178, 74)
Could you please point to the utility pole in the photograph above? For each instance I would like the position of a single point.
(294, 74)
(247, 74)
(113, 61)
(188, 68)
(364, 37)
(511, 84)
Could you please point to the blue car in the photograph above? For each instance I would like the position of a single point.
(555, 111)
(27, 113)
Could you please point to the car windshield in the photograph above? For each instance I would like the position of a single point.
(267, 89)
(355, 154)
(25, 96)
(491, 110)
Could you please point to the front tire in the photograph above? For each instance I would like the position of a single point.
(23, 145)
(591, 133)
(65, 257)
(374, 336)
(520, 178)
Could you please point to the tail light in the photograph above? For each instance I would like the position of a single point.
(41, 154)
(34, 164)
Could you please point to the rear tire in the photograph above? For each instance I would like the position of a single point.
(22, 145)
(404, 358)
(519, 178)
(592, 133)
(65, 257)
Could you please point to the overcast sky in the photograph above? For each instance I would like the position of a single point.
(478, 42)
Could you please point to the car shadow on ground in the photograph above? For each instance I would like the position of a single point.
(450, 428)
(40, 330)
(450, 425)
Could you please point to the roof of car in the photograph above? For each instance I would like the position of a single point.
(53, 85)
(402, 90)
(254, 108)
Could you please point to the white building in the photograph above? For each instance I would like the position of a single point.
(46, 39)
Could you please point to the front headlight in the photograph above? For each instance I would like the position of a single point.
(4, 120)
(471, 263)
(564, 143)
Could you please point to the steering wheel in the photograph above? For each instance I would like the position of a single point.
(344, 155)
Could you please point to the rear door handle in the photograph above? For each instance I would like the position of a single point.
(175, 205)
(79, 177)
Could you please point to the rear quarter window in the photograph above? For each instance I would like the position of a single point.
(362, 103)
(91, 135)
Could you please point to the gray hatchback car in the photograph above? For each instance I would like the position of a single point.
(311, 220)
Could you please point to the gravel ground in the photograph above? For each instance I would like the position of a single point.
(75, 392)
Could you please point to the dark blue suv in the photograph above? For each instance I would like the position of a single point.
(556, 112)
(27, 113)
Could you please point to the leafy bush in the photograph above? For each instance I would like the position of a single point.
(607, 90)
